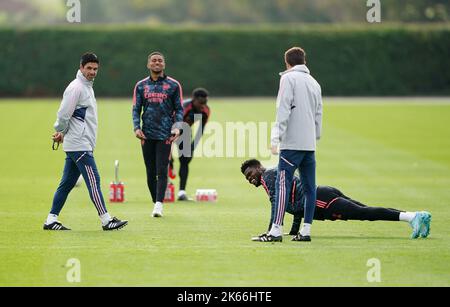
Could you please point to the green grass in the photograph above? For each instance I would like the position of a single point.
(380, 151)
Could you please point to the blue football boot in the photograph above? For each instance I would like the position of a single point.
(415, 223)
(425, 226)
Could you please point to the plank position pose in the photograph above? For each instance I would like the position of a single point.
(331, 204)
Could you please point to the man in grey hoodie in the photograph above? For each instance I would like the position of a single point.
(298, 126)
(76, 128)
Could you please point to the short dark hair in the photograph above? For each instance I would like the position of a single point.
(295, 56)
(200, 93)
(156, 53)
(249, 163)
(89, 57)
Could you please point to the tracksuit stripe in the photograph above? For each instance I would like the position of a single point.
(284, 159)
(281, 198)
(332, 201)
(265, 186)
(280, 206)
(293, 192)
(95, 196)
(102, 209)
(284, 200)
(80, 158)
(179, 86)
(135, 88)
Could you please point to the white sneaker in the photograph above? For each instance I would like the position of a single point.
(157, 210)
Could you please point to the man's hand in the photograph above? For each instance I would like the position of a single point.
(140, 135)
(175, 134)
(274, 150)
(58, 137)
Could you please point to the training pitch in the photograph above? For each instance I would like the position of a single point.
(380, 151)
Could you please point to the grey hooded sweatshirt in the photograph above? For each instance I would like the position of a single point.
(299, 111)
(77, 116)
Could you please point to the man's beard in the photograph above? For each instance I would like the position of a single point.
(89, 78)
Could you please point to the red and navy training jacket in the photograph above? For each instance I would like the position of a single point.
(157, 105)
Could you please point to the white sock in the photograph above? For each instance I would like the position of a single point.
(181, 192)
(306, 229)
(407, 216)
(105, 218)
(276, 230)
(51, 218)
(158, 204)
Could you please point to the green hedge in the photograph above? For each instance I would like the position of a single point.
(230, 62)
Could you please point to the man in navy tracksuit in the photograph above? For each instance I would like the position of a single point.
(157, 119)
(331, 204)
(76, 128)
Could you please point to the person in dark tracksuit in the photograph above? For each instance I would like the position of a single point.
(331, 203)
(157, 106)
(76, 128)
(194, 109)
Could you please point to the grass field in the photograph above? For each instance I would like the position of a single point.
(387, 152)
